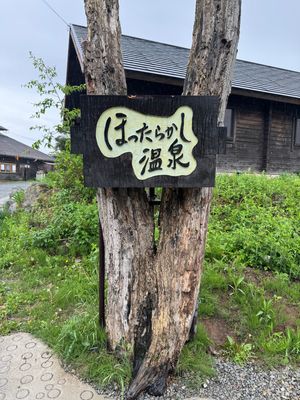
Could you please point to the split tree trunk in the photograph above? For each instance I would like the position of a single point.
(152, 297)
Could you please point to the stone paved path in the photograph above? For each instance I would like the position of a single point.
(28, 370)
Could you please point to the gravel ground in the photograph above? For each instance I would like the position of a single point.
(234, 382)
(250, 382)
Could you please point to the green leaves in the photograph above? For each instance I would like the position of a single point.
(237, 284)
(266, 313)
(256, 218)
(238, 352)
(71, 227)
(285, 344)
(52, 95)
(68, 178)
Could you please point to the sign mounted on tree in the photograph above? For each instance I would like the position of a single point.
(148, 141)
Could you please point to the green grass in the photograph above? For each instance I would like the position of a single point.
(194, 363)
(49, 289)
(255, 219)
(252, 266)
(48, 269)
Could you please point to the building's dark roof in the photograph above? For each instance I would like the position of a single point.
(2, 128)
(150, 57)
(13, 148)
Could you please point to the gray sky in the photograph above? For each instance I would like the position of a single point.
(270, 32)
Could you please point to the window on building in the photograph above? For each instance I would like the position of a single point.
(297, 132)
(8, 168)
(229, 123)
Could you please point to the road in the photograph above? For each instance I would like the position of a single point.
(7, 187)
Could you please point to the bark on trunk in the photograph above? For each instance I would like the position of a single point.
(125, 215)
(152, 297)
(184, 212)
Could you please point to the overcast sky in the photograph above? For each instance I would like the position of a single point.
(270, 32)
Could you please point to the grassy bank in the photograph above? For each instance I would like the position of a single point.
(249, 300)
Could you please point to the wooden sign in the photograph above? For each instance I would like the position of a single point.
(148, 141)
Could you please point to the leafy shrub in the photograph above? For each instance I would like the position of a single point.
(240, 353)
(18, 197)
(68, 176)
(71, 225)
(256, 218)
(285, 344)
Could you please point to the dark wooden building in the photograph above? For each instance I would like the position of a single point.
(263, 113)
(19, 161)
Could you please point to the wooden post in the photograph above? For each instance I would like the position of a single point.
(101, 278)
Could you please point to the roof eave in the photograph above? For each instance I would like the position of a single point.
(177, 81)
(26, 157)
(237, 90)
(265, 95)
(77, 48)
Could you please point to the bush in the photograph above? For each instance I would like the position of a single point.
(72, 226)
(256, 219)
(68, 176)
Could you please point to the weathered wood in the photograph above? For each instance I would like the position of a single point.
(213, 52)
(266, 137)
(103, 63)
(178, 270)
(283, 154)
(184, 212)
(125, 215)
(152, 297)
(127, 224)
(263, 141)
(101, 278)
(21, 173)
(246, 151)
(101, 171)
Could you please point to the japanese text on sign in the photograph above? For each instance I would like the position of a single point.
(159, 145)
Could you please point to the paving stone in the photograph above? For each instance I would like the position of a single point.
(30, 371)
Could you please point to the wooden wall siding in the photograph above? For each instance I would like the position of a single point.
(246, 150)
(283, 155)
(135, 86)
(19, 174)
(74, 77)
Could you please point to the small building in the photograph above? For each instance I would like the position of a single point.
(19, 161)
(263, 112)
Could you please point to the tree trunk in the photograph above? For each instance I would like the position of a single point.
(184, 212)
(152, 297)
(125, 215)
